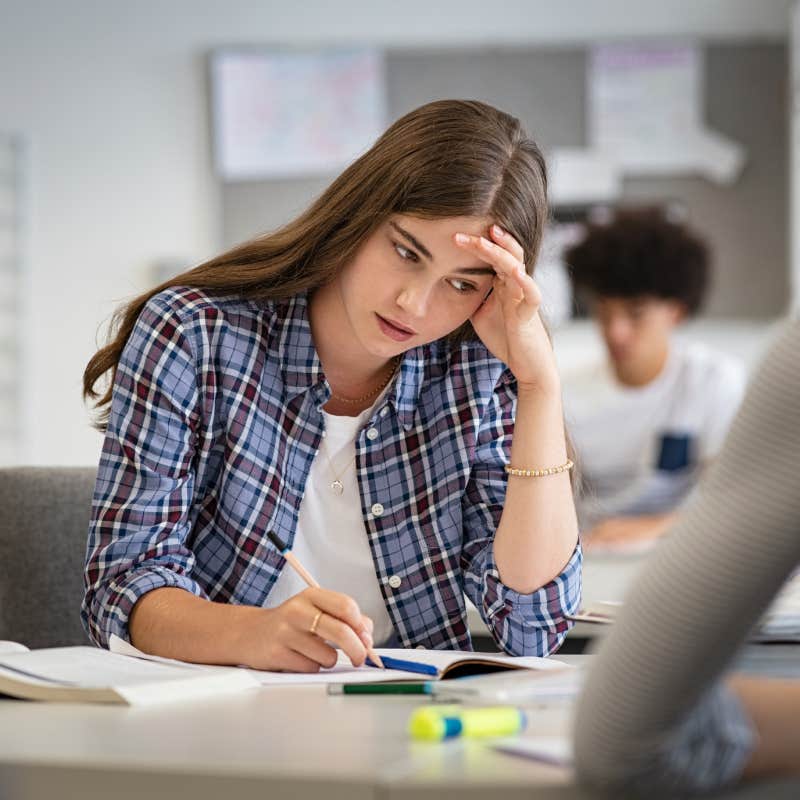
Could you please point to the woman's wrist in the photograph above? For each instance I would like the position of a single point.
(243, 634)
(546, 385)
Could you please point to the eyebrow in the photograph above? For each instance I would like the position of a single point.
(406, 235)
(427, 253)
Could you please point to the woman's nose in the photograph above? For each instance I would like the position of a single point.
(413, 298)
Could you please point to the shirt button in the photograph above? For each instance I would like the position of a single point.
(395, 581)
(377, 510)
(372, 434)
(421, 647)
(384, 411)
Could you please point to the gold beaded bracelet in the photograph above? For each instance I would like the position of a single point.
(539, 473)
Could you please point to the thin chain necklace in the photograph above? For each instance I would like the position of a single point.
(337, 486)
(370, 394)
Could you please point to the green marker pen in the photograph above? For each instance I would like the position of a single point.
(433, 724)
(380, 688)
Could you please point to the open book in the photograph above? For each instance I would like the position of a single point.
(780, 622)
(91, 675)
(460, 664)
(447, 663)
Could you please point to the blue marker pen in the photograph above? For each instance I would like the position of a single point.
(408, 666)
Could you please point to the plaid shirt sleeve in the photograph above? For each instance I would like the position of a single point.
(522, 624)
(142, 500)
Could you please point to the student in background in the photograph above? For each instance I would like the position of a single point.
(646, 421)
(659, 716)
(352, 381)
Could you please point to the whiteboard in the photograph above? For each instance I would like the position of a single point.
(279, 114)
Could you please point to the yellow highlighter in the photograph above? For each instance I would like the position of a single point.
(433, 724)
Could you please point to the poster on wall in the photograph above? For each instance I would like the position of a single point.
(645, 112)
(283, 114)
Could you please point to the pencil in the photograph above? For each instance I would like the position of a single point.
(311, 581)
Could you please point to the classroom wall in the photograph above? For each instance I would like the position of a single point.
(112, 100)
(746, 223)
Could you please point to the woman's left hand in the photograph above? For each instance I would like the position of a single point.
(508, 322)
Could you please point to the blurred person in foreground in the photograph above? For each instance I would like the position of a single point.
(658, 717)
(647, 419)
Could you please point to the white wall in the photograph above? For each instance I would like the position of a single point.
(112, 99)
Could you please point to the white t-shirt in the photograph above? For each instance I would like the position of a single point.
(331, 538)
(640, 449)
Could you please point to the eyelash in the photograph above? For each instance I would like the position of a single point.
(409, 255)
(468, 287)
(405, 253)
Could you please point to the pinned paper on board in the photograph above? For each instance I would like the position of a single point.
(645, 112)
(280, 114)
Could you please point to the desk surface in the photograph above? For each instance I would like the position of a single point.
(298, 741)
(293, 742)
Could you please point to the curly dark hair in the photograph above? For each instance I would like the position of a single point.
(641, 253)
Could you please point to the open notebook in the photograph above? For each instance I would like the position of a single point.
(780, 622)
(92, 675)
(448, 664)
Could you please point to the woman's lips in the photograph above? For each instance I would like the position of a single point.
(394, 330)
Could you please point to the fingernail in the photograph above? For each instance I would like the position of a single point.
(462, 238)
(498, 231)
(366, 638)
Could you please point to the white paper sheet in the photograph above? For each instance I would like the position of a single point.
(345, 672)
(555, 750)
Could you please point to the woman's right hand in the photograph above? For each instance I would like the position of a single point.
(301, 634)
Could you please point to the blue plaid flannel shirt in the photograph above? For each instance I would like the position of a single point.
(215, 421)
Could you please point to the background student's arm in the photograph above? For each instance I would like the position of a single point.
(773, 706)
(629, 530)
(653, 714)
(139, 563)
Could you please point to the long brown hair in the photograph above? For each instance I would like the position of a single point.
(447, 158)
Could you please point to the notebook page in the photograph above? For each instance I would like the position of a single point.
(11, 647)
(88, 667)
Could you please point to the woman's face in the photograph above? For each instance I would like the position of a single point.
(410, 284)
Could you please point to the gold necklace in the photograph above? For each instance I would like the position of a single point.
(368, 395)
(337, 487)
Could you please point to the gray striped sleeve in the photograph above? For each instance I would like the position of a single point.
(653, 716)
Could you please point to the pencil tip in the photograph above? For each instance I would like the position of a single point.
(273, 537)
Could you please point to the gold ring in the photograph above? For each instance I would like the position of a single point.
(313, 629)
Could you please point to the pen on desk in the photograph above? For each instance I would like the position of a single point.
(311, 581)
(410, 666)
(418, 687)
(432, 724)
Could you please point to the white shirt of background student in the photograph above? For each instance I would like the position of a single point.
(645, 421)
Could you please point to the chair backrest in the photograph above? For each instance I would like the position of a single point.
(44, 518)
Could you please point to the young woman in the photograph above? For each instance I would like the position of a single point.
(353, 382)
